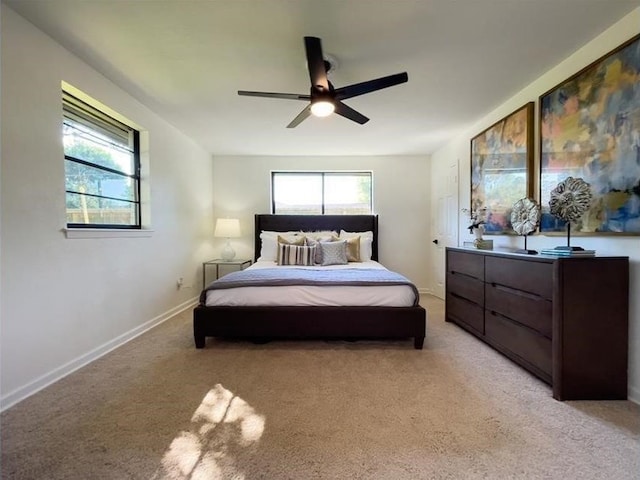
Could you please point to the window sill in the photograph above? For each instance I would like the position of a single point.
(105, 233)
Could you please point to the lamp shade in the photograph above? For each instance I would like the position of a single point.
(227, 227)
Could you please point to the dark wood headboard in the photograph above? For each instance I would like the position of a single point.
(311, 223)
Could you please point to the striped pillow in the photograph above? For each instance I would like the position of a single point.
(288, 240)
(296, 254)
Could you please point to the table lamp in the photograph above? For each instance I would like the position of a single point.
(227, 228)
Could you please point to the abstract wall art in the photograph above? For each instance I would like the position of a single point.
(590, 128)
(501, 165)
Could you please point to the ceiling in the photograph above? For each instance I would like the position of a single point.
(186, 59)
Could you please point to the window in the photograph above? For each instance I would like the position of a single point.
(102, 168)
(314, 193)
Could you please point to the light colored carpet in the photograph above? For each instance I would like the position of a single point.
(157, 408)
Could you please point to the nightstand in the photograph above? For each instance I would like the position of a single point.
(240, 263)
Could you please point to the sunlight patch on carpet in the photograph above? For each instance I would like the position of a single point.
(222, 424)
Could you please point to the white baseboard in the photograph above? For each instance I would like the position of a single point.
(16, 396)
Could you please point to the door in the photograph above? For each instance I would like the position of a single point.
(444, 219)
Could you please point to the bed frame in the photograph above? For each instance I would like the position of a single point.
(260, 323)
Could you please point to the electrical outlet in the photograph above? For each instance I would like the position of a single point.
(180, 283)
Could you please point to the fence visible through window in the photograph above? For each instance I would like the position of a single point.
(102, 168)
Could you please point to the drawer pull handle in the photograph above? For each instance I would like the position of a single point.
(466, 275)
(515, 291)
(455, 295)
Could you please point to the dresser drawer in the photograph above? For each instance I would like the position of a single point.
(532, 277)
(467, 263)
(460, 310)
(466, 287)
(526, 344)
(528, 309)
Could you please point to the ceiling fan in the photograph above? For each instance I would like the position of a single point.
(324, 99)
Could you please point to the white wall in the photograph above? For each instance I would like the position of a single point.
(67, 301)
(625, 246)
(241, 186)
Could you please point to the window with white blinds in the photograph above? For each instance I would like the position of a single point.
(102, 168)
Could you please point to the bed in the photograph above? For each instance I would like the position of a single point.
(262, 322)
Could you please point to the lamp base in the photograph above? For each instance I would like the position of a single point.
(228, 253)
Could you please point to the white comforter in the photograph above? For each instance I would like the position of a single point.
(310, 295)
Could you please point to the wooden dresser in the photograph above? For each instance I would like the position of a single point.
(563, 319)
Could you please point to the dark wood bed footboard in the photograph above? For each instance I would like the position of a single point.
(309, 322)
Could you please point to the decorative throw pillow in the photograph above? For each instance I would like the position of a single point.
(320, 234)
(311, 240)
(289, 240)
(334, 253)
(296, 254)
(366, 241)
(353, 249)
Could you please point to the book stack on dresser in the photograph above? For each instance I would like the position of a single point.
(555, 252)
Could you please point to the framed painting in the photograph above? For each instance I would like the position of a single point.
(590, 129)
(501, 166)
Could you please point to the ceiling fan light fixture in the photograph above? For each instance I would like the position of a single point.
(322, 108)
(323, 98)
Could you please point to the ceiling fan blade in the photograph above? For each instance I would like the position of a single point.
(356, 89)
(315, 62)
(301, 116)
(348, 112)
(286, 96)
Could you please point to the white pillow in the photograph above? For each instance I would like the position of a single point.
(366, 241)
(269, 247)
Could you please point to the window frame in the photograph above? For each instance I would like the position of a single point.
(323, 174)
(95, 118)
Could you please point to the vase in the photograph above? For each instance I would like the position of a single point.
(478, 231)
